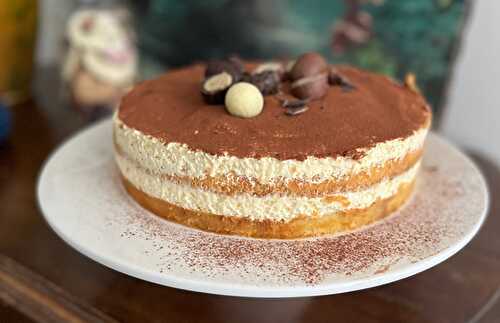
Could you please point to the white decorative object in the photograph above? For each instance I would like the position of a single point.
(101, 55)
(244, 100)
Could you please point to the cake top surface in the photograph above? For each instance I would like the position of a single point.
(341, 123)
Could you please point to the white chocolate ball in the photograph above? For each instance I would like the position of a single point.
(244, 100)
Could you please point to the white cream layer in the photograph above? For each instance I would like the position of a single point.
(179, 160)
(272, 207)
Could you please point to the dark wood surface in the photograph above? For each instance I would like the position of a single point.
(43, 279)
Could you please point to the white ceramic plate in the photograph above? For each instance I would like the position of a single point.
(83, 201)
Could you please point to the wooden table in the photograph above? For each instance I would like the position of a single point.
(43, 279)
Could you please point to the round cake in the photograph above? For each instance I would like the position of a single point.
(301, 167)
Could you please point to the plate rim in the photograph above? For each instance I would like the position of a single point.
(232, 289)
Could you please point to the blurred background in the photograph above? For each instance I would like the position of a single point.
(76, 58)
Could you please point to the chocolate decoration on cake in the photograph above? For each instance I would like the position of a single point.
(336, 79)
(214, 88)
(232, 66)
(268, 82)
(296, 110)
(294, 103)
(276, 67)
(311, 87)
(307, 65)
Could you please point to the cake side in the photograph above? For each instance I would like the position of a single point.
(299, 227)
(272, 207)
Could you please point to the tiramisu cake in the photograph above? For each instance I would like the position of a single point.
(273, 150)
